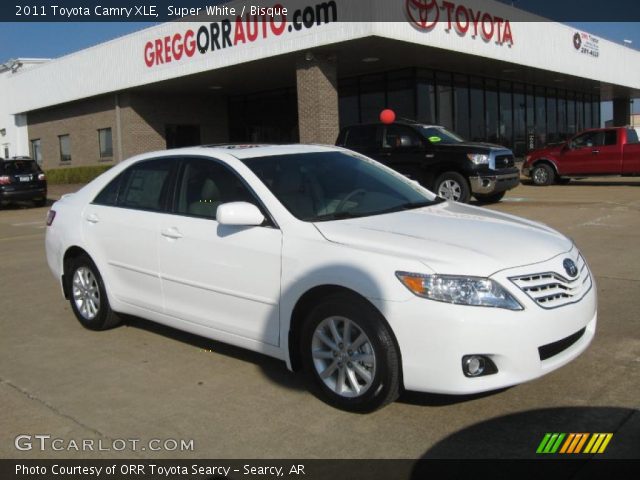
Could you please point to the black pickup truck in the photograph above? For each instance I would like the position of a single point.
(437, 158)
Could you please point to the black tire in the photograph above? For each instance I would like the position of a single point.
(456, 184)
(492, 198)
(384, 386)
(103, 318)
(542, 175)
(563, 181)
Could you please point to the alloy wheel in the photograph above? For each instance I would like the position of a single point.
(86, 293)
(343, 356)
(450, 190)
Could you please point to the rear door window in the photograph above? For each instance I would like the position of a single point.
(145, 185)
(363, 137)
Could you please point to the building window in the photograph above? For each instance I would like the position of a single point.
(491, 111)
(476, 104)
(426, 103)
(401, 93)
(65, 148)
(444, 96)
(461, 105)
(348, 106)
(6, 152)
(505, 126)
(106, 143)
(372, 97)
(36, 151)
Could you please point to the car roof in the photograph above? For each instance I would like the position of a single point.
(244, 151)
(400, 122)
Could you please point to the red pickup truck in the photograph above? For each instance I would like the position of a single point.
(604, 151)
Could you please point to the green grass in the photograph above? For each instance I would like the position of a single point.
(59, 176)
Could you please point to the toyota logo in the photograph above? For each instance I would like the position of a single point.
(577, 41)
(570, 267)
(424, 14)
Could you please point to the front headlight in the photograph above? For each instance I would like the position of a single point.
(477, 291)
(478, 158)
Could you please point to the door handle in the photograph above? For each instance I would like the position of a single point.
(92, 218)
(595, 152)
(171, 232)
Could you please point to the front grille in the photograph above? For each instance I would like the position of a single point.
(504, 161)
(551, 349)
(552, 290)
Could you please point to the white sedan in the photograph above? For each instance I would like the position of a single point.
(329, 261)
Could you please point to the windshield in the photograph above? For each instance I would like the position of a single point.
(439, 135)
(333, 185)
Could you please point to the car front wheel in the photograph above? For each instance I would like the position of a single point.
(453, 186)
(88, 297)
(349, 354)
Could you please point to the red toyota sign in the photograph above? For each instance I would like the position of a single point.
(427, 14)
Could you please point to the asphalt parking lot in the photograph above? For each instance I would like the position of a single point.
(143, 381)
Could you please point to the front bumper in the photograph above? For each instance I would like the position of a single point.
(489, 184)
(524, 345)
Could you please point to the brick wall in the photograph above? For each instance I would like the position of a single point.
(317, 100)
(143, 119)
(81, 120)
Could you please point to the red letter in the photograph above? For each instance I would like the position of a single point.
(159, 51)
(507, 37)
(277, 30)
(167, 50)
(487, 18)
(499, 21)
(189, 43)
(177, 46)
(449, 6)
(252, 34)
(238, 35)
(148, 54)
(462, 27)
(475, 18)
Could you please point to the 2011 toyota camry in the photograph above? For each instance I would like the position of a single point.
(329, 261)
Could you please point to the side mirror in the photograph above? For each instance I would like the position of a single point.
(239, 214)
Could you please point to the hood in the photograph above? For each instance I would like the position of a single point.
(469, 147)
(451, 238)
(548, 150)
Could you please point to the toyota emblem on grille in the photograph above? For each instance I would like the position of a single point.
(570, 267)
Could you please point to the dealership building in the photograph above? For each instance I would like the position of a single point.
(487, 70)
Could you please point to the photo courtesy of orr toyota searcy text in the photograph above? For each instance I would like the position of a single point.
(241, 29)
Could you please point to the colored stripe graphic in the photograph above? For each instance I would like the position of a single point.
(574, 443)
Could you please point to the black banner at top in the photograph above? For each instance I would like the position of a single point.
(361, 10)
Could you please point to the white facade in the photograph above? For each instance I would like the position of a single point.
(14, 141)
(120, 63)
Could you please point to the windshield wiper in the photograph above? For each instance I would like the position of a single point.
(411, 206)
(336, 216)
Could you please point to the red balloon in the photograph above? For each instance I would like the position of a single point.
(387, 116)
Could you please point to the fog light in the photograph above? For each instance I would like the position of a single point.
(486, 182)
(478, 365)
(474, 365)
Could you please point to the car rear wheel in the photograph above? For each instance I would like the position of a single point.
(542, 175)
(349, 354)
(453, 186)
(88, 297)
(493, 198)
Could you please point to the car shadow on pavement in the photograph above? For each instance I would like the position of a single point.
(441, 400)
(272, 368)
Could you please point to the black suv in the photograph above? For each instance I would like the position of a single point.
(22, 179)
(437, 158)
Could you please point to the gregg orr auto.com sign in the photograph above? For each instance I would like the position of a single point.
(246, 25)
